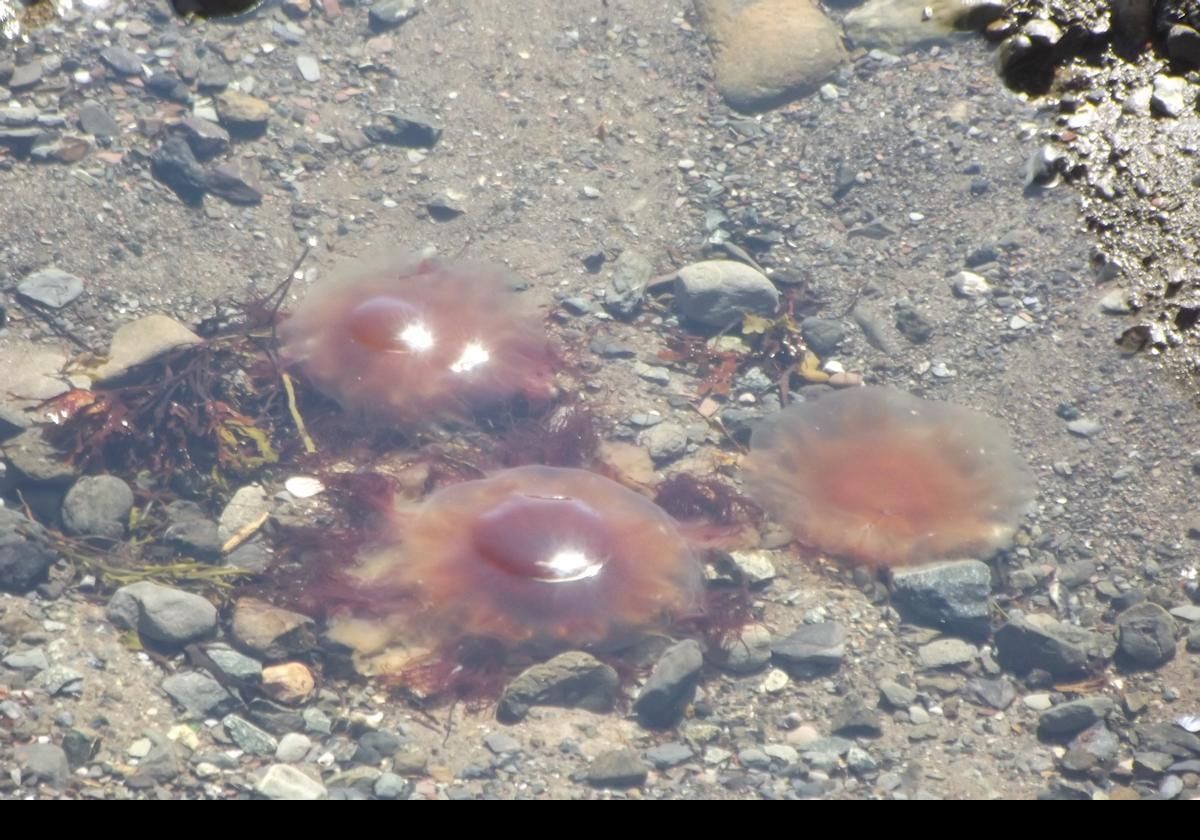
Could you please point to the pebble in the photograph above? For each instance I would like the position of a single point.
(811, 649)
(249, 737)
(946, 653)
(671, 685)
(272, 632)
(95, 120)
(754, 567)
(854, 719)
(174, 164)
(409, 129)
(895, 695)
(25, 76)
(1084, 427)
(1069, 718)
(25, 556)
(669, 755)
(1093, 748)
(97, 506)
(1030, 642)
(572, 680)
(121, 60)
(626, 287)
(771, 51)
(951, 596)
(289, 682)
(241, 113)
(823, 335)
(998, 693)
(309, 67)
(228, 181)
(1146, 635)
(248, 506)
(1167, 98)
(60, 679)
(388, 14)
(51, 287)
(198, 693)
(391, 786)
(717, 293)
(967, 284)
(235, 664)
(207, 139)
(912, 323)
(162, 614)
(282, 781)
(30, 661)
(665, 442)
(619, 768)
(46, 763)
(745, 651)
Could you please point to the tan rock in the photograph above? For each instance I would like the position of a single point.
(769, 52)
(242, 113)
(288, 682)
(900, 25)
(142, 341)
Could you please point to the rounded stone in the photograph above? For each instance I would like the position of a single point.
(97, 506)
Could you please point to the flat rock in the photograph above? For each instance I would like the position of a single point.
(198, 693)
(1146, 635)
(121, 60)
(669, 755)
(571, 680)
(241, 113)
(717, 293)
(231, 182)
(951, 596)
(293, 747)
(207, 139)
(247, 506)
(619, 768)
(902, 25)
(1069, 718)
(811, 649)
(97, 505)
(46, 763)
(234, 664)
(51, 287)
(1038, 641)
(1093, 749)
(769, 52)
(410, 129)
(271, 632)
(34, 458)
(998, 693)
(162, 614)
(282, 781)
(388, 14)
(25, 76)
(248, 736)
(671, 686)
(854, 719)
(946, 653)
(94, 119)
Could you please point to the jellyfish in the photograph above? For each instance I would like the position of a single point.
(410, 343)
(878, 477)
(534, 559)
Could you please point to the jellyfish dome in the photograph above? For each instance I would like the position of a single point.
(411, 342)
(879, 477)
(532, 557)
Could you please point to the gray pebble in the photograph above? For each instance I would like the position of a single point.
(234, 664)
(309, 67)
(823, 335)
(666, 441)
(630, 274)
(811, 649)
(1084, 427)
(122, 60)
(1146, 635)
(671, 686)
(951, 596)
(162, 614)
(392, 786)
(619, 768)
(388, 14)
(946, 653)
(1075, 716)
(46, 763)
(293, 747)
(895, 695)
(745, 651)
(572, 680)
(1025, 643)
(718, 293)
(97, 505)
(249, 737)
(95, 120)
(669, 755)
(501, 743)
(30, 661)
(198, 693)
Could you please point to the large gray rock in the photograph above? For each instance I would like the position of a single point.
(45, 763)
(951, 596)
(717, 293)
(1146, 635)
(1038, 641)
(97, 506)
(51, 287)
(162, 614)
(769, 52)
(573, 680)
